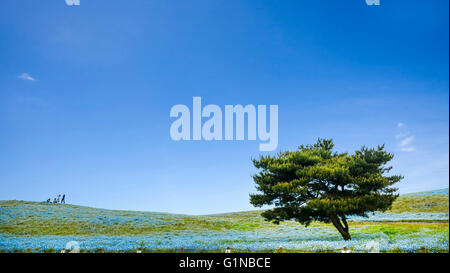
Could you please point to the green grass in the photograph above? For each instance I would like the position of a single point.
(34, 218)
(421, 203)
(65, 222)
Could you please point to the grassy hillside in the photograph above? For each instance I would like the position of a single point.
(430, 201)
(416, 220)
(34, 218)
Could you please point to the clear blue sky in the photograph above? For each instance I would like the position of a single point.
(85, 93)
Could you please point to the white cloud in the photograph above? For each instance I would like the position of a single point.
(26, 77)
(401, 135)
(406, 141)
(408, 149)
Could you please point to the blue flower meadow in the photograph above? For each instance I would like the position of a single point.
(37, 227)
(301, 239)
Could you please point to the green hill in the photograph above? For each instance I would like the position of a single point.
(429, 201)
(34, 218)
(43, 226)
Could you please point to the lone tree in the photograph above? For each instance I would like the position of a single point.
(316, 184)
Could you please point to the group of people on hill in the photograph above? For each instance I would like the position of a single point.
(57, 200)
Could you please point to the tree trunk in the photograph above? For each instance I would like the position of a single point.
(343, 229)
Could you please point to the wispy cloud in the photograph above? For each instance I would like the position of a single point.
(401, 135)
(405, 139)
(26, 77)
(408, 149)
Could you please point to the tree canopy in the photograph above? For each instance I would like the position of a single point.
(315, 183)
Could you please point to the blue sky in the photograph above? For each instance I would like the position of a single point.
(85, 93)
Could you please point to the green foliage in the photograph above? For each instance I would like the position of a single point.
(316, 184)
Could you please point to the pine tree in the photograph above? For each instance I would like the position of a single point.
(316, 184)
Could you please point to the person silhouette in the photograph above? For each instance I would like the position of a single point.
(63, 199)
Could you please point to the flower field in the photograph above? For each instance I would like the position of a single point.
(316, 239)
(38, 227)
